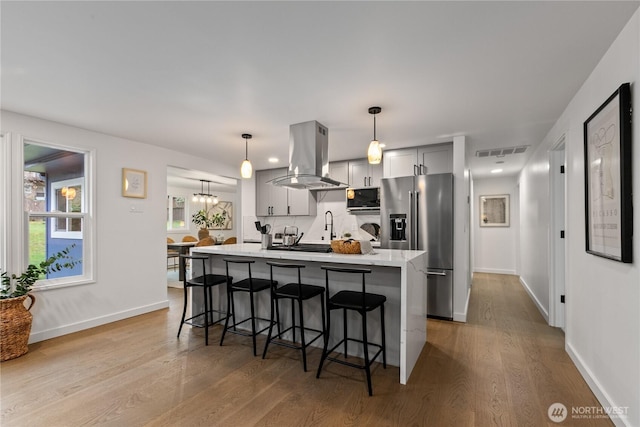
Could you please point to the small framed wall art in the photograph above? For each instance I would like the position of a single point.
(494, 210)
(134, 183)
(607, 175)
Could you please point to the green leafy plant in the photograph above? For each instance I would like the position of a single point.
(202, 219)
(17, 285)
(219, 219)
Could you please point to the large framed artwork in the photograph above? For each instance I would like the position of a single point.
(607, 159)
(225, 209)
(494, 211)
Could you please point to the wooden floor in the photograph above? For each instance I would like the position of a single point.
(504, 367)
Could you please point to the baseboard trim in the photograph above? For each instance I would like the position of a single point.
(97, 321)
(494, 271)
(594, 385)
(462, 317)
(535, 300)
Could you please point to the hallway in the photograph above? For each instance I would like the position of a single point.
(505, 367)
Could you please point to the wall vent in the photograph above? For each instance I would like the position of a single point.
(500, 152)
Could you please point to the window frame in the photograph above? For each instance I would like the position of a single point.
(16, 223)
(170, 228)
(57, 185)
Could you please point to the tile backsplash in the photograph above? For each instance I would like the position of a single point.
(313, 227)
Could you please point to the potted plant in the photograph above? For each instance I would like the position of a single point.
(218, 220)
(203, 220)
(15, 318)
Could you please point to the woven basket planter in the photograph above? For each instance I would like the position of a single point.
(345, 246)
(15, 326)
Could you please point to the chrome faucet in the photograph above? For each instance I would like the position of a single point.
(332, 235)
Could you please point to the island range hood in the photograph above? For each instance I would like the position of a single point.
(308, 158)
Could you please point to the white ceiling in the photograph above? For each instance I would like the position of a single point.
(194, 76)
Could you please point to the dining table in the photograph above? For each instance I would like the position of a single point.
(183, 249)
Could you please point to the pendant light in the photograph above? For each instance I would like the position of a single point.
(374, 154)
(246, 169)
(203, 197)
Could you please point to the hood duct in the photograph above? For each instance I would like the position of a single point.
(308, 158)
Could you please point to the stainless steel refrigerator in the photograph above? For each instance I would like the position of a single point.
(416, 212)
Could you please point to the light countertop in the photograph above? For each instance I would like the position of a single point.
(381, 257)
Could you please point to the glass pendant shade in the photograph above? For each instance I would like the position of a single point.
(374, 155)
(246, 169)
(195, 198)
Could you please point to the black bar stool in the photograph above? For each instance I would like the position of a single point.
(250, 285)
(295, 292)
(206, 282)
(359, 301)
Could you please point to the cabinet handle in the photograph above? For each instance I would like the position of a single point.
(423, 170)
(288, 210)
(415, 170)
(365, 181)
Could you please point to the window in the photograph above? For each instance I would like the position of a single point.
(177, 213)
(66, 196)
(56, 202)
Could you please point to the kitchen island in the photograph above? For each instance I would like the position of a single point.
(400, 275)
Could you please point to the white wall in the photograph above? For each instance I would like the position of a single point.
(461, 230)
(603, 296)
(494, 249)
(131, 247)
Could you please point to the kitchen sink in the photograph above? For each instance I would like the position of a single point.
(302, 247)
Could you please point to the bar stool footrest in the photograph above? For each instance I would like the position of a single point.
(283, 342)
(189, 321)
(354, 365)
(247, 333)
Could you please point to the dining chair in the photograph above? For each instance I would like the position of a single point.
(172, 254)
(230, 241)
(189, 239)
(207, 241)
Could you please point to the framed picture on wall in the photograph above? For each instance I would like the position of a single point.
(134, 183)
(607, 175)
(494, 210)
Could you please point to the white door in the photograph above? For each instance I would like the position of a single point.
(557, 182)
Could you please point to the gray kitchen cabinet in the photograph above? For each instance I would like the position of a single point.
(363, 174)
(424, 160)
(339, 171)
(402, 162)
(272, 200)
(436, 158)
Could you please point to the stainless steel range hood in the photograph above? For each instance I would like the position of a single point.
(308, 158)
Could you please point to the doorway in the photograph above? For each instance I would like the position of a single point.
(557, 183)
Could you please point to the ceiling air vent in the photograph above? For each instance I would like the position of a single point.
(500, 152)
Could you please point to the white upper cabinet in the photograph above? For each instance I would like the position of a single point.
(403, 162)
(436, 158)
(425, 160)
(272, 200)
(339, 171)
(363, 174)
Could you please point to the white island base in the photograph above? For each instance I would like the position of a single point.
(397, 274)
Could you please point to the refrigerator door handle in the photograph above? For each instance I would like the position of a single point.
(436, 273)
(416, 220)
(412, 235)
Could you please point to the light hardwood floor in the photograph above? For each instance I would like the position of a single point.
(504, 367)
